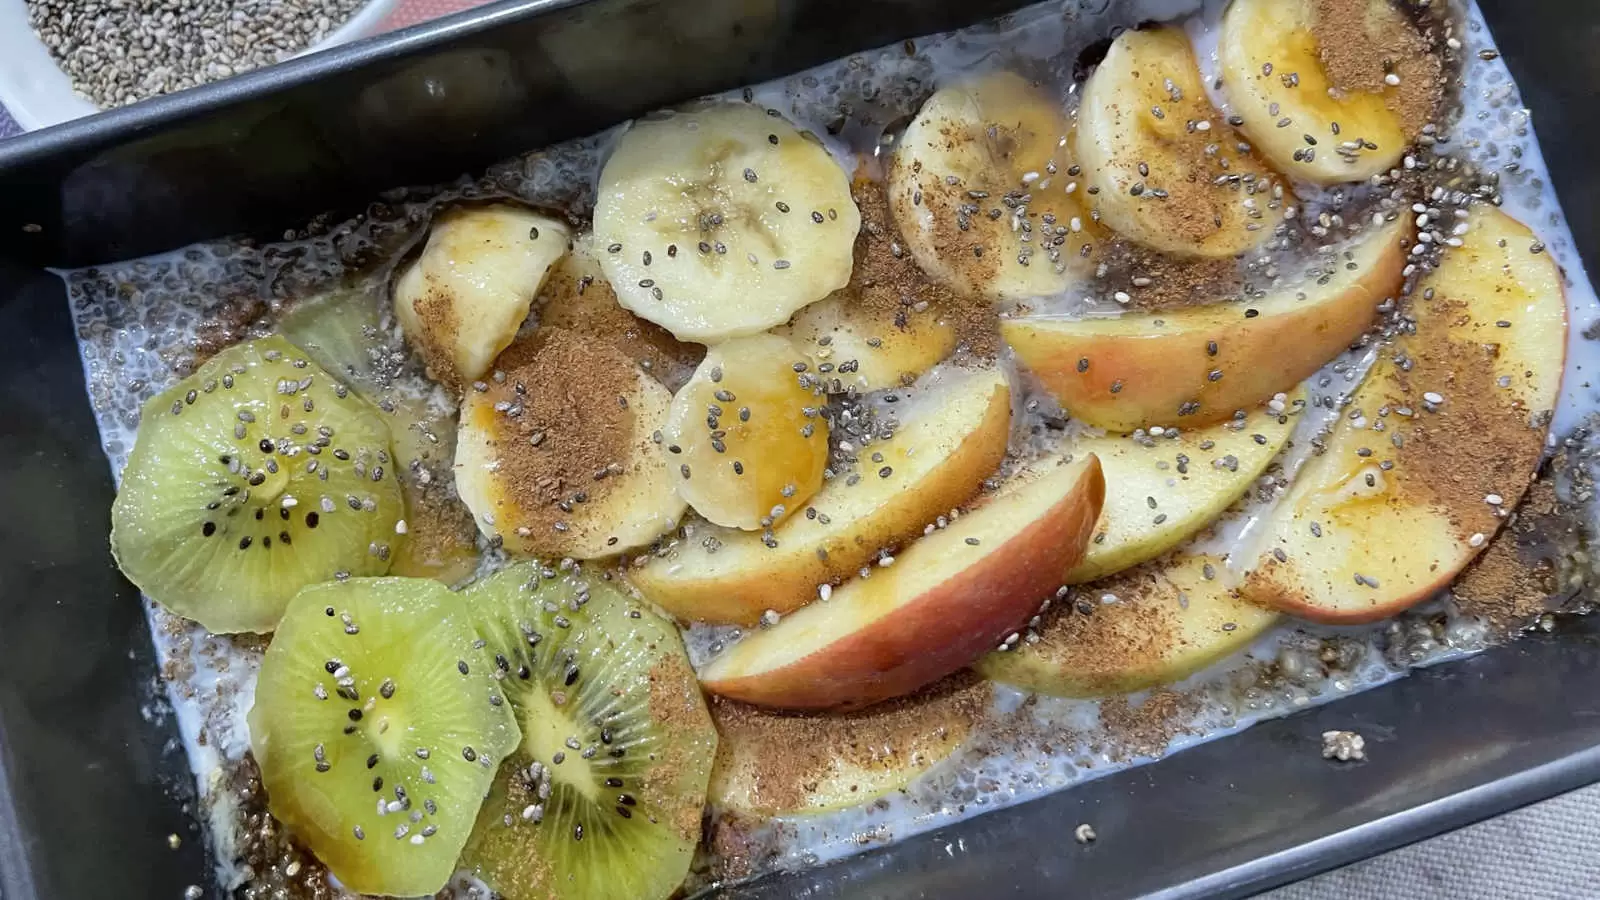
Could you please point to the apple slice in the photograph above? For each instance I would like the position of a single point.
(1439, 442)
(773, 763)
(1196, 366)
(953, 434)
(1163, 489)
(1357, 67)
(948, 599)
(1152, 625)
(871, 349)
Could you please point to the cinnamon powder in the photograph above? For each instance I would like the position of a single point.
(568, 417)
(886, 281)
(1361, 42)
(783, 757)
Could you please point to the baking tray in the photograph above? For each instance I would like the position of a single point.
(93, 784)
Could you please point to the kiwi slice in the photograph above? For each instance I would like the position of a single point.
(250, 479)
(378, 726)
(604, 797)
(343, 330)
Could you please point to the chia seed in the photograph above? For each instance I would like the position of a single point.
(118, 53)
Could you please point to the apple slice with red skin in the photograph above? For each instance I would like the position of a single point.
(953, 432)
(1196, 366)
(951, 597)
(1437, 445)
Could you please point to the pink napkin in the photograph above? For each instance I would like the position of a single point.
(410, 12)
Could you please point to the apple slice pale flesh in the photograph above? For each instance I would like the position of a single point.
(1194, 367)
(1439, 442)
(1161, 490)
(952, 436)
(948, 599)
(772, 763)
(1152, 625)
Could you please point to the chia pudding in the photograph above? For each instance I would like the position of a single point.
(844, 380)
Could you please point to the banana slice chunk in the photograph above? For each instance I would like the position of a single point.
(559, 459)
(871, 349)
(746, 437)
(1166, 168)
(461, 302)
(984, 190)
(723, 221)
(1327, 98)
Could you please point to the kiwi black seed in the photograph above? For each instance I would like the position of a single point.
(604, 797)
(375, 749)
(250, 479)
(346, 332)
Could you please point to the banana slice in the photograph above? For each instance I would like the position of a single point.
(985, 190)
(723, 221)
(1166, 169)
(577, 297)
(871, 349)
(1327, 98)
(462, 301)
(746, 437)
(558, 459)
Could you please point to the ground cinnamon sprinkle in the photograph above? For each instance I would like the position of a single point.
(441, 538)
(781, 760)
(1146, 729)
(577, 297)
(1361, 42)
(737, 850)
(1167, 282)
(566, 397)
(1101, 646)
(1517, 577)
(1475, 444)
(886, 281)
(435, 341)
(674, 704)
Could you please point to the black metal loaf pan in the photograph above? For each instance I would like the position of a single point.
(91, 787)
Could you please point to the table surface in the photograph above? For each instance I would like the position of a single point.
(1548, 850)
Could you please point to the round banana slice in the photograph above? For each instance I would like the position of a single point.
(461, 302)
(1327, 98)
(745, 438)
(723, 221)
(1166, 169)
(558, 458)
(985, 190)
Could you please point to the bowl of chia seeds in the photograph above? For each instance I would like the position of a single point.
(61, 59)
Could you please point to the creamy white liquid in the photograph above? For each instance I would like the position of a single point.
(129, 349)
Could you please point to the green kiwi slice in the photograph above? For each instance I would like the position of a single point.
(378, 726)
(604, 797)
(343, 330)
(250, 479)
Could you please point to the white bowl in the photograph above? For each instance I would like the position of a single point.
(38, 94)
